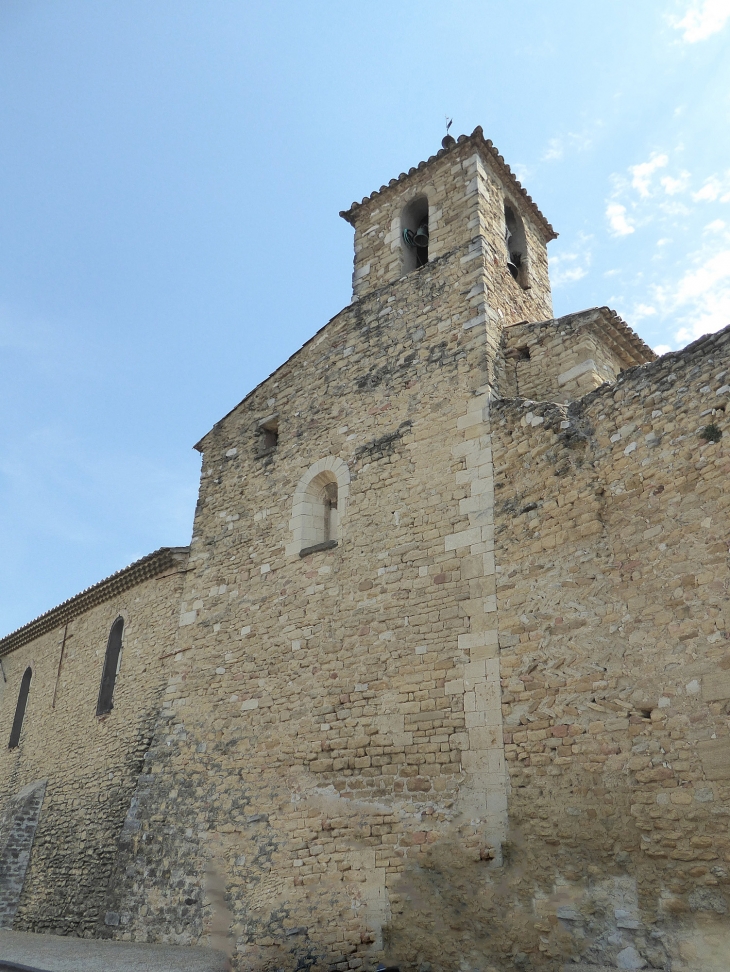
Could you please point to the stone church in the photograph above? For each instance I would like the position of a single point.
(443, 679)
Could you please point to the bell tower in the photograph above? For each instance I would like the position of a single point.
(462, 205)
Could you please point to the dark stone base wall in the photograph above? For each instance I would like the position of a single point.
(17, 830)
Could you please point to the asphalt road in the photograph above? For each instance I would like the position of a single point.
(54, 953)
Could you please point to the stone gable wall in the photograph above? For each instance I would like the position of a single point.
(332, 719)
(91, 764)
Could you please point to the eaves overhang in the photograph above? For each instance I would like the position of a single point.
(451, 145)
(164, 560)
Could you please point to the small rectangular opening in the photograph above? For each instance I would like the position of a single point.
(268, 434)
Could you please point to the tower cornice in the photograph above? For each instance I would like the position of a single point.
(493, 158)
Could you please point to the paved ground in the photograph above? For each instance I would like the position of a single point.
(54, 953)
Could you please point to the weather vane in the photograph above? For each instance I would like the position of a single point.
(448, 123)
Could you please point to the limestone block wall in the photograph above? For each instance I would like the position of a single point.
(91, 764)
(562, 360)
(466, 193)
(612, 564)
(331, 727)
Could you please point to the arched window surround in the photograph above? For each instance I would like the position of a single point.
(112, 664)
(20, 709)
(319, 506)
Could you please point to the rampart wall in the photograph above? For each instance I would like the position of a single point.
(612, 551)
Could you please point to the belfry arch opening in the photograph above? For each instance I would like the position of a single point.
(414, 234)
(516, 245)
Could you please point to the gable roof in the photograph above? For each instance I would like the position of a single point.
(496, 161)
(608, 326)
(162, 560)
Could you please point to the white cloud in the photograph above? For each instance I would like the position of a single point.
(705, 279)
(714, 189)
(642, 173)
(522, 172)
(661, 349)
(618, 220)
(575, 141)
(672, 186)
(645, 195)
(563, 275)
(554, 151)
(702, 19)
(643, 310)
(700, 301)
(716, 226)
(568, 267)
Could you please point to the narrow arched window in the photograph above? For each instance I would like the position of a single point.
(112, 660)
(321, 526)
(516, 246)
(414, 231)
(329, 502)
(320, 507)
(20, 709)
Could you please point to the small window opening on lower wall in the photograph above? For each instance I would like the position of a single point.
(319, 506)
(321, 515)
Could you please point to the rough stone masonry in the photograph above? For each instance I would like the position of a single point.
(449, 684)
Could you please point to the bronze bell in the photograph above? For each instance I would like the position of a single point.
(421, 235)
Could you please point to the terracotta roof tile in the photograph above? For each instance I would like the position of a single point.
(154, 564)
(451, 145)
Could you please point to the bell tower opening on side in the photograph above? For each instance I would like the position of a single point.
(462, 209)
(516, 245)
(414, 226)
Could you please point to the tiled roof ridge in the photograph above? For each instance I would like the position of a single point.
(629, 333)
(610, 318)
(141, 570)
(478, 136)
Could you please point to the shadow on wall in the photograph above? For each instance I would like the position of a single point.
(17, 830)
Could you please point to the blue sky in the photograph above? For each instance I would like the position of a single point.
(171, 174)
